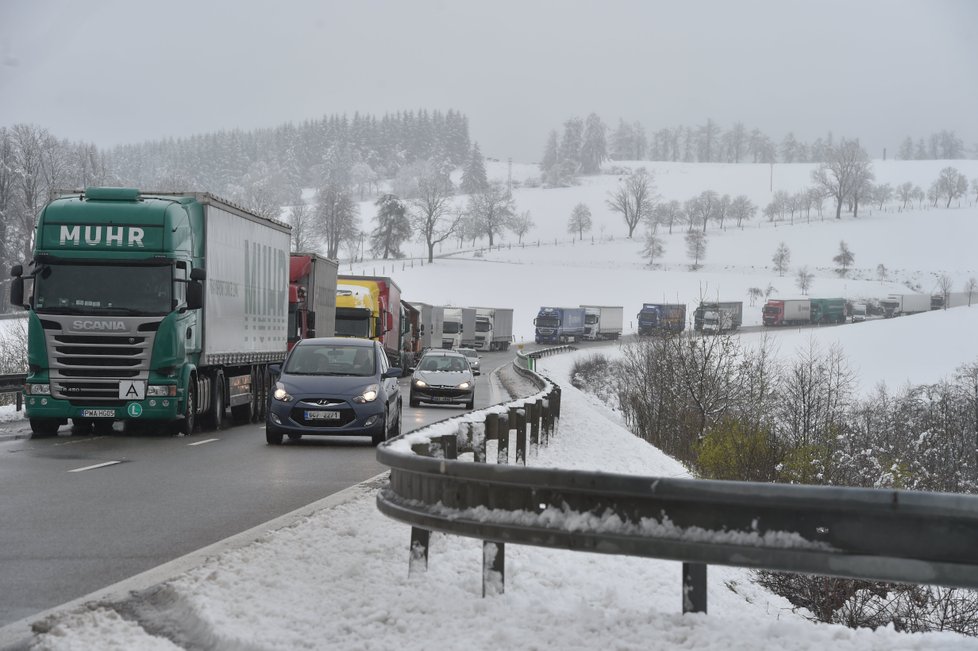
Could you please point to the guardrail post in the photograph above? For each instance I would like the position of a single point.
(545, 420)
(694, 587)
(502, 448)
(521, 436)
(478, 443)
(493, 553)
(20, 400)
(418, 561)
(532, 417)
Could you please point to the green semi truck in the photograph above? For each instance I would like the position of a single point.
(163, 309)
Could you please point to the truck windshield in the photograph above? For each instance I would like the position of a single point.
(483, 326)
(348, 325)
(103, 289)
(450, 327)
(547, 322)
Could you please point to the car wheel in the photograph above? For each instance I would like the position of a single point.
(470, 405)
(414, 402)
(41, 427)
(381, 436)
(273, 437)
(397, 424)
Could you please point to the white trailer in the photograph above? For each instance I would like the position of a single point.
(493, 328)
(603, 321)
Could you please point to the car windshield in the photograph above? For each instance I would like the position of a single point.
(331, 359)
(443, 363)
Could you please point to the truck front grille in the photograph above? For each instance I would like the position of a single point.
(86, 368)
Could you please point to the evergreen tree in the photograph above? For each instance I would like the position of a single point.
(393, 228)
(594, 149)
(474, 179)
(550, 155)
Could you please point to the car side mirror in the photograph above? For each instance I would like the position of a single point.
(275, 369)
(392, 372)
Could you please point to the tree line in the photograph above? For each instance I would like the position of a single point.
(584, 144)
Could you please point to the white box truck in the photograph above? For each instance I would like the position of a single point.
(493, 328)
(900, 304)
(603, 321)
(458, 328)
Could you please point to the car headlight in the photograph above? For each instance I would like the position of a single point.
(464, 385)
(39, 389)
(281, 394)
(420, 384)
(369, 394)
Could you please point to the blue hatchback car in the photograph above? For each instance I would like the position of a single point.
(335, 386)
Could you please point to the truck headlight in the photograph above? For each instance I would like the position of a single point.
(369, 394)
(39, 389)
(161, 390)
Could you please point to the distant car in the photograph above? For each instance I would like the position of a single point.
(443, 377)
(472, 355)
(335, 386)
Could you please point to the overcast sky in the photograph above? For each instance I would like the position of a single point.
(122, 71)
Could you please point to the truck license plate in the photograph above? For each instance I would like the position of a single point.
(322, 415)
(98, 413)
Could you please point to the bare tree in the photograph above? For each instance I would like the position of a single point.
(300, 217)
(951, 184)
(654, 247)
(522, 224)
(666, 213)
(492, 210)
(881, 272)
(754, 294)
(844, 259)
(580, 220)
(635, 198)
(696, 247)
(971, 287)
(742, 209)
(336, 218)
(904, 193)
(945, 284)
(431, 205)
(847, 167)
(781, 259)
(803, 279)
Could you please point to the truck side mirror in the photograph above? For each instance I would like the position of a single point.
(389, 322)
(195, 294)
(17, 271)
(17, 292)
(310, 333)
(198, 274)
(310, 321)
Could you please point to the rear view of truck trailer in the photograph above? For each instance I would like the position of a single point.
(312, 296)
(152, 308)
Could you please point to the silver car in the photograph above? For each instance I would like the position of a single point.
(472, 355)
(443, 377)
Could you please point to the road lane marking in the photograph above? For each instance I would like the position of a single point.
(202, 442)
(97, 465)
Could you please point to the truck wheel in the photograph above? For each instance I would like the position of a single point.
(188, 423)
(215, 415)
(42, 427)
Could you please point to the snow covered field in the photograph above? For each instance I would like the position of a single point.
(338, 578)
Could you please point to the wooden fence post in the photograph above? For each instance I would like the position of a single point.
(521, 436)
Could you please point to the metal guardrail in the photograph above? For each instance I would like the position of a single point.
(14, 383)
(888, 535)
